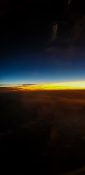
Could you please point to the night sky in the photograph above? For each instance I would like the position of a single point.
(42, 42)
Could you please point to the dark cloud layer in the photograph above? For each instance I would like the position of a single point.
(43, 129)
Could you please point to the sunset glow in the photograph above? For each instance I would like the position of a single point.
(54, 86)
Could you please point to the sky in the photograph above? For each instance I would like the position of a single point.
(42, 42)
(35, 68)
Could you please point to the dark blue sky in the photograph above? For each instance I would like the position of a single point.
(42, 67)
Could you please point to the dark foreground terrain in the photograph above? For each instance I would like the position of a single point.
(42, 132)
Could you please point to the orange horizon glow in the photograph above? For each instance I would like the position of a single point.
(56, 86)
(51, 86)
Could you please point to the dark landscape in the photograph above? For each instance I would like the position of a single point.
(42, 132)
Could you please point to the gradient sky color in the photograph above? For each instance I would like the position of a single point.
(42, 67)
(33, 50)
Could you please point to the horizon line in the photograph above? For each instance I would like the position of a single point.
(48, 86)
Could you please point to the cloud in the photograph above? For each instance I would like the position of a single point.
(54, 32)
